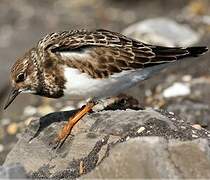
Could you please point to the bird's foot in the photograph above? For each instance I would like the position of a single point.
(66, 131)
(57, 142)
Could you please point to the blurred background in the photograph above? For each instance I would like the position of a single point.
(182, 89)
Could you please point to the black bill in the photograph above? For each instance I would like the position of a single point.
(13, 94)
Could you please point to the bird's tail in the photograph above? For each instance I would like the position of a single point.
(196, 51)
(170, 54)
(164, 56)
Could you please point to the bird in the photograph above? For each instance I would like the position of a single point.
(89, 65)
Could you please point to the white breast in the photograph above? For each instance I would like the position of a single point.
(80, 86)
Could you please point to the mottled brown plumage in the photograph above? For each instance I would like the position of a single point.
(89, 64)
(98, 53)
(110, 52)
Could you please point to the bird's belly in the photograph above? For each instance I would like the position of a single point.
(81, 86)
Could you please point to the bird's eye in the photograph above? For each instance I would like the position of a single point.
(20, 78)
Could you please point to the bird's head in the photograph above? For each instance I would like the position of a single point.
(23, 77)
(30, 74)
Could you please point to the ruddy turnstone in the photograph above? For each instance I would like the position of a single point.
(89, 65)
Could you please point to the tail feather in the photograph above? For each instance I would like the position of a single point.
(196, 51)
(167, 55)
(178, 53)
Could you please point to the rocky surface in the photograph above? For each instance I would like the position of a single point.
(113, 144)
(14, 171)
(155, 157)
(23, 22)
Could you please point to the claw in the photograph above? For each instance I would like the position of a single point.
(57, 143)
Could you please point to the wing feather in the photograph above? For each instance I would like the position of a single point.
(101, 53)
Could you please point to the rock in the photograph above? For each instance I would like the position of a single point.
(12, 128)
(162, 31)
(146, 157)
(177, 89)
(93, 142)
(191, 111)
(1, 148)
(29, 111)
(45, 109)
(197, 126)
(16, 171)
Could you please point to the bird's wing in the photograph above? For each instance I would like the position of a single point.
(101, 53)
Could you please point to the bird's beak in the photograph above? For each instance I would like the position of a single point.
(13, 94)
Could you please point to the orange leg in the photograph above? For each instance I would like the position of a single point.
(66, 130)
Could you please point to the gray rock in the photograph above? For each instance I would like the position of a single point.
(12, 171)
(146, 157)
(191, 111)
(163, 31)
(195, 107)
(93, 139)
